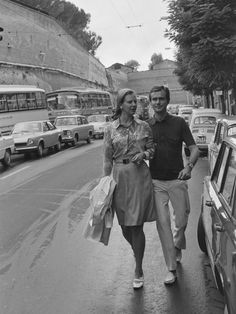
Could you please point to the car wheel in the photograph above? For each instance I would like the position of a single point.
(201, 235)
(57, 147)
(89, 138)
(40, 150)
(187, 151)
(7, 159)
(76, 139)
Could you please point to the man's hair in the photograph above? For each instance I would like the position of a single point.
(159, 89)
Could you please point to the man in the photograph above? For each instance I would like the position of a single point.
(169, 177)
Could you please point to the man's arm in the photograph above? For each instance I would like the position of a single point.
(185, 173)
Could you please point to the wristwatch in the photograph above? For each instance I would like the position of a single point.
(190, 164)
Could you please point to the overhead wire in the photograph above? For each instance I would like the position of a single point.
(138, 25)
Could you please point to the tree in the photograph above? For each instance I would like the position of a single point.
(133, 64)
(204, 32)
(74, 20)
(155, 59)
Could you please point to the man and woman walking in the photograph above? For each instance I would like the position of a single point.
(142, 194)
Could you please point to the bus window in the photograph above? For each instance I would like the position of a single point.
(99, 100)
(3, 103)
(22, 103)
(12, 102)
(40, 100)
(31, 100)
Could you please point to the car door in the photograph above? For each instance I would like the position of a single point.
(212, 147)
(80, 128)
(85, 128)
(227, 231)
(212, 205)
(46, 135)
(53, 134)
(2, 146)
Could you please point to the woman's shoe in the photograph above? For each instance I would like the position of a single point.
(138, 282)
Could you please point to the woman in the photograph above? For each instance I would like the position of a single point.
(127, 142)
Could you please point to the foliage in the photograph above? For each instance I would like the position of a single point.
(74, 20)
(205, 33)
(155, 59)
(133, 64)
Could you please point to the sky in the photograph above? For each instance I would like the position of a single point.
(116, 21)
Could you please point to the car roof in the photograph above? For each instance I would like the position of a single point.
(231, 140)
(228, 120)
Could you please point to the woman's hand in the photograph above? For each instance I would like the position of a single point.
(138, 158)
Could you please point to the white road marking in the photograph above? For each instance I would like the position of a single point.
(11, 174)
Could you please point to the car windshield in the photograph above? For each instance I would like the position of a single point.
(99, 118)
(27, 127)
(205, 120)
(66, 121)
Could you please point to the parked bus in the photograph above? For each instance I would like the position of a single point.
(19, 103)
(73, 100)
(142, 110)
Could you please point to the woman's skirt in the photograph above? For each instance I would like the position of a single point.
(133, 198)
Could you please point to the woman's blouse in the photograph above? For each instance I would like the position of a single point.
(122, 142)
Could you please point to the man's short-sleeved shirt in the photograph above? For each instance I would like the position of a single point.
(169, 136)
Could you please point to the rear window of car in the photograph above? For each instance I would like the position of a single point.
(205, 120)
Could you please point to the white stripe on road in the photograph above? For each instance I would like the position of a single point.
(11, 174)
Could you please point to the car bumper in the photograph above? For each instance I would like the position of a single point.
(98, 133)
(67, 139)
(25, 149)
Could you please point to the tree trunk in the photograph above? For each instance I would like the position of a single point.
(212, 100)
(223, 106)
(207, 101)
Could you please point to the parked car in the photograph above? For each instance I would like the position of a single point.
(202, 125)
(185, 112)
(35, 136)
(99, 121)
(224, 127)
(6, 149)
(74, 128)
(173, 108)
(217, 222)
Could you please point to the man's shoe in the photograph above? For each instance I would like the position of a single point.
(138, 282)
(170, 278)
(178, 253)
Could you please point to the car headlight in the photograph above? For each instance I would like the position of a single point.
(30, 141)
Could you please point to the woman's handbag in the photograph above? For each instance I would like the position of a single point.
(100, 221)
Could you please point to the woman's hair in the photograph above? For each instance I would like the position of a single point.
(122, 93)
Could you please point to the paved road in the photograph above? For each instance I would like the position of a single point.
(47, 267)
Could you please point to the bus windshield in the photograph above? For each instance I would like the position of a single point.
(63, 101)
